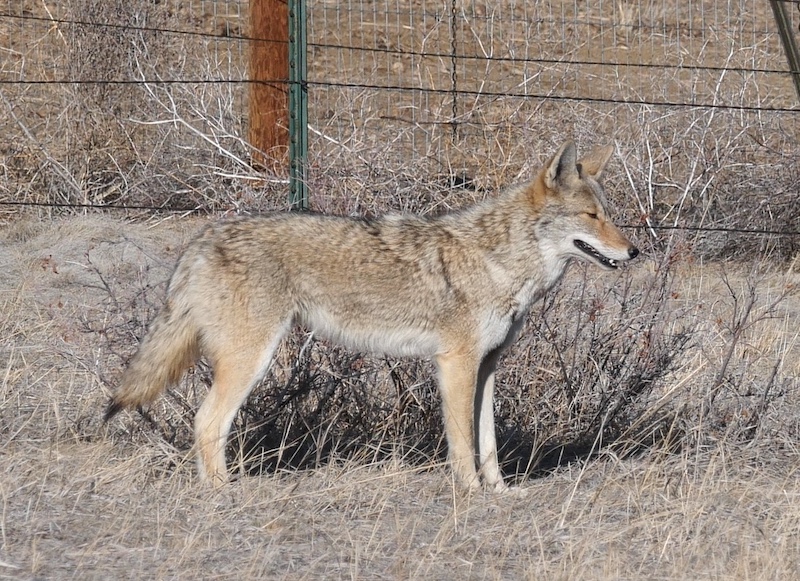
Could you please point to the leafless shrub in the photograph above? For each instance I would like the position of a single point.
(101, 154)
(595, 370)
(331, 403)
(119, 321)
(751, 374)
(123, 132)
(723, 176)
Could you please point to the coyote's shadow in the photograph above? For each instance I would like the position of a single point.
(522, 456)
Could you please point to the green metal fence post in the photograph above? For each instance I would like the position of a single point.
(298, 106)
(788, 40)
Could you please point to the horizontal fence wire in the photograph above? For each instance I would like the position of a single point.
(465, 65)
(401, 88)
(398, 52)
(196, 210)
(386, 50)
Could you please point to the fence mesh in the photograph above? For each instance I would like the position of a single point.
(146, 101)
(459, 74)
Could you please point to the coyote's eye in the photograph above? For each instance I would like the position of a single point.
(592, 215)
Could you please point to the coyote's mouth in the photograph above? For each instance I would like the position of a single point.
(591, 251)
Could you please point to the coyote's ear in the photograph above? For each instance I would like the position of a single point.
(562, 167)
(594, 163)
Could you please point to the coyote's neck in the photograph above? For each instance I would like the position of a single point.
(504, 231)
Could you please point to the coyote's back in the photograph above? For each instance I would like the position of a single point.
(453, 288)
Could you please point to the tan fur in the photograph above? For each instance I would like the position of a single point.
(453, 288)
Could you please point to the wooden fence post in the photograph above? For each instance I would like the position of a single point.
(269, 76)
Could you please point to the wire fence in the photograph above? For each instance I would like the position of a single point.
(143, 104)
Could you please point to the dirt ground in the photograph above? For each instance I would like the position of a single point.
(80, 500)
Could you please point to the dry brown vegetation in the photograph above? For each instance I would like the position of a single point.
(694, 477)
(650, 415)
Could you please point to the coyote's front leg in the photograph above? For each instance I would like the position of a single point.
(484, 424)
(458, 372)
(484, 413)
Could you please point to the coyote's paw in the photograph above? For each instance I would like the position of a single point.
(510, 491)
(517, 491)
(499, 487)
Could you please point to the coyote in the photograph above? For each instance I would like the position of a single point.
(454, 288)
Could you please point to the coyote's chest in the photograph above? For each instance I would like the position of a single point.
(505, 316)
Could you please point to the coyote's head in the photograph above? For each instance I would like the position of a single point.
(573, 217)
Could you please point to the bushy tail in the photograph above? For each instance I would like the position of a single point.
(168, 349)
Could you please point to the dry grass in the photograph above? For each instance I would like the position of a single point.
(80, 499)
(723, 517)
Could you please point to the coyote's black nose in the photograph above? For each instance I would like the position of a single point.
(633, 252)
